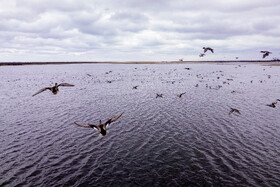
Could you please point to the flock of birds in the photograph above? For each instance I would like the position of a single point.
(205, 49)
(101, 127)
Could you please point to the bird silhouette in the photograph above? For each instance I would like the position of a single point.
(180, 95)
(234, 110)
(159, 95)
(208, 48)
(265, 53)
(135, 87)
(201, 55)
(53, 89)
(273, 105)
(102, 126)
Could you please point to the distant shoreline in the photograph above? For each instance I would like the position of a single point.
(268, 62)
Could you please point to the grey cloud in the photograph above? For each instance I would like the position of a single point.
(131, 26)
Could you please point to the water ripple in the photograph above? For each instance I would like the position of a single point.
(169, 141)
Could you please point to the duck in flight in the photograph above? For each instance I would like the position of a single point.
(208, 48)
(102, 126)
(159, 95)
(135, 87)
(201, 55)
(234, 110)
(180, 95)
(273, 105)
(265, 53)
(53, 89)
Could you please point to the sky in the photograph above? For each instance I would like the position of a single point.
(138, 30)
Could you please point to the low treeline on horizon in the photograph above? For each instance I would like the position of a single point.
(134, 62)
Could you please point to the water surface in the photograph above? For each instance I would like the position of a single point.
(167, 141)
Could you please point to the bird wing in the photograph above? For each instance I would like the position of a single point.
(182, 94)
(205, 49)
(237, 111)
(65, 84)
(86, 125)
(113, 119)
(43, 89)
(212, 50)
(231, 111)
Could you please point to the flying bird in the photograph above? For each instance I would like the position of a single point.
(201, 55)
(273, 105)
(234, 110)
(102, 126)
(53, 89)
(159, 95)
(180, 95)
(208, 48)
(135, 87)
(265, 53)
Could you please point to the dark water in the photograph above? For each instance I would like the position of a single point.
(169, 141)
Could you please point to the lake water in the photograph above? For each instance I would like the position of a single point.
(168, 141)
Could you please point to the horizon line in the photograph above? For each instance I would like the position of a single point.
(129, 62)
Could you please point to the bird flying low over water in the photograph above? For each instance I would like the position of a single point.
(234, 110)
(265, 53)
(159, 95)
(135, 87)
(102, 126)
(53, 89)
(180, 95)
(273, 105)
(208, 48)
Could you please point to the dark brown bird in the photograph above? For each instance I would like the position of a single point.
(135, 87)
(180, 95)
(54, 89)
(208, 48)
(265, 53)
(234, 110)
(102, 126)
(159, 95)
(273, 105)
(201, 55)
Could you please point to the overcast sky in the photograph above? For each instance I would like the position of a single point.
(138, 30)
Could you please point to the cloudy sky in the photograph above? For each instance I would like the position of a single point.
(137, 30)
